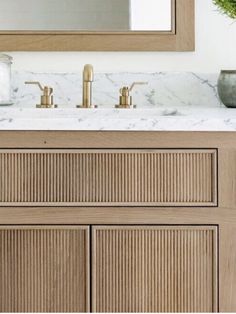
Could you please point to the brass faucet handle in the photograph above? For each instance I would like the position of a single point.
(126, 101)
(124, 91)
(46, 89)
(137, 83)
(46, 98)
(35, 83)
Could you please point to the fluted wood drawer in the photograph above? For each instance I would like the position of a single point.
(108, 177)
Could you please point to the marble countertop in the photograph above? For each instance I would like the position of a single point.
(160, 119)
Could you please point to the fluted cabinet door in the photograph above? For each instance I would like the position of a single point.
(44, 269)
(154, 269)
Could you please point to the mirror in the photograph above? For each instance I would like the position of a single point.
(97, 25)
(86, 15)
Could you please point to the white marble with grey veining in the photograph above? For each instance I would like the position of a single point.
(164, 89)
(172, 101)
(160, 119)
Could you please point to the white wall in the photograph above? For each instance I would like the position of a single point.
(215, 50)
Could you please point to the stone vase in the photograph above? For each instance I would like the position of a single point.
(227, 88)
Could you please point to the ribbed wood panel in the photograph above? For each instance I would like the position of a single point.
(44, 269)
(154, 269)
(111, 177)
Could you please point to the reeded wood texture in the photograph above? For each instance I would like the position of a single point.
(44, 269)
(155, 269)
(110, 177)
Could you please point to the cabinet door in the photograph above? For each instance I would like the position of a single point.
(155, 269)
(44, 269)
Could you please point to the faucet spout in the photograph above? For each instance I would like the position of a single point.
(88, 77)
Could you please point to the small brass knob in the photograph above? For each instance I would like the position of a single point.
(46, 98)
(126, 100)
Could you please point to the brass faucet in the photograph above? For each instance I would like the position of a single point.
(47, 96)
(88, 78)
(126, 100)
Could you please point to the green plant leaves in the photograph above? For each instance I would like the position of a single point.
(227, 7)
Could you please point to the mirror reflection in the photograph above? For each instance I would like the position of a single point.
(86, 15)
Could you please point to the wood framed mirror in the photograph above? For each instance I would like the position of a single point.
(97, 25)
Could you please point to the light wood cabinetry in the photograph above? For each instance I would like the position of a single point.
(111, 177)
(155, 269)
(44, 269)
(117, 221)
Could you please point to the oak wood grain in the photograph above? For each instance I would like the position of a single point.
(155, 269)
(116, 140)
(227, 271)
(44, 269)
(108, 178)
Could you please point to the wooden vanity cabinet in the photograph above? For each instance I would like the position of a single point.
(117, 222)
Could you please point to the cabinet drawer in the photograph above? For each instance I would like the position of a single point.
(108, 177)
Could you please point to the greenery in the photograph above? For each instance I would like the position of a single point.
(227, 7)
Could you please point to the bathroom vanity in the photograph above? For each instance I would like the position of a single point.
(117, 220)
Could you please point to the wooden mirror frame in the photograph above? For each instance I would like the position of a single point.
(180, 38)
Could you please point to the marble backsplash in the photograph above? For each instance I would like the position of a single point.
(164, 89)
